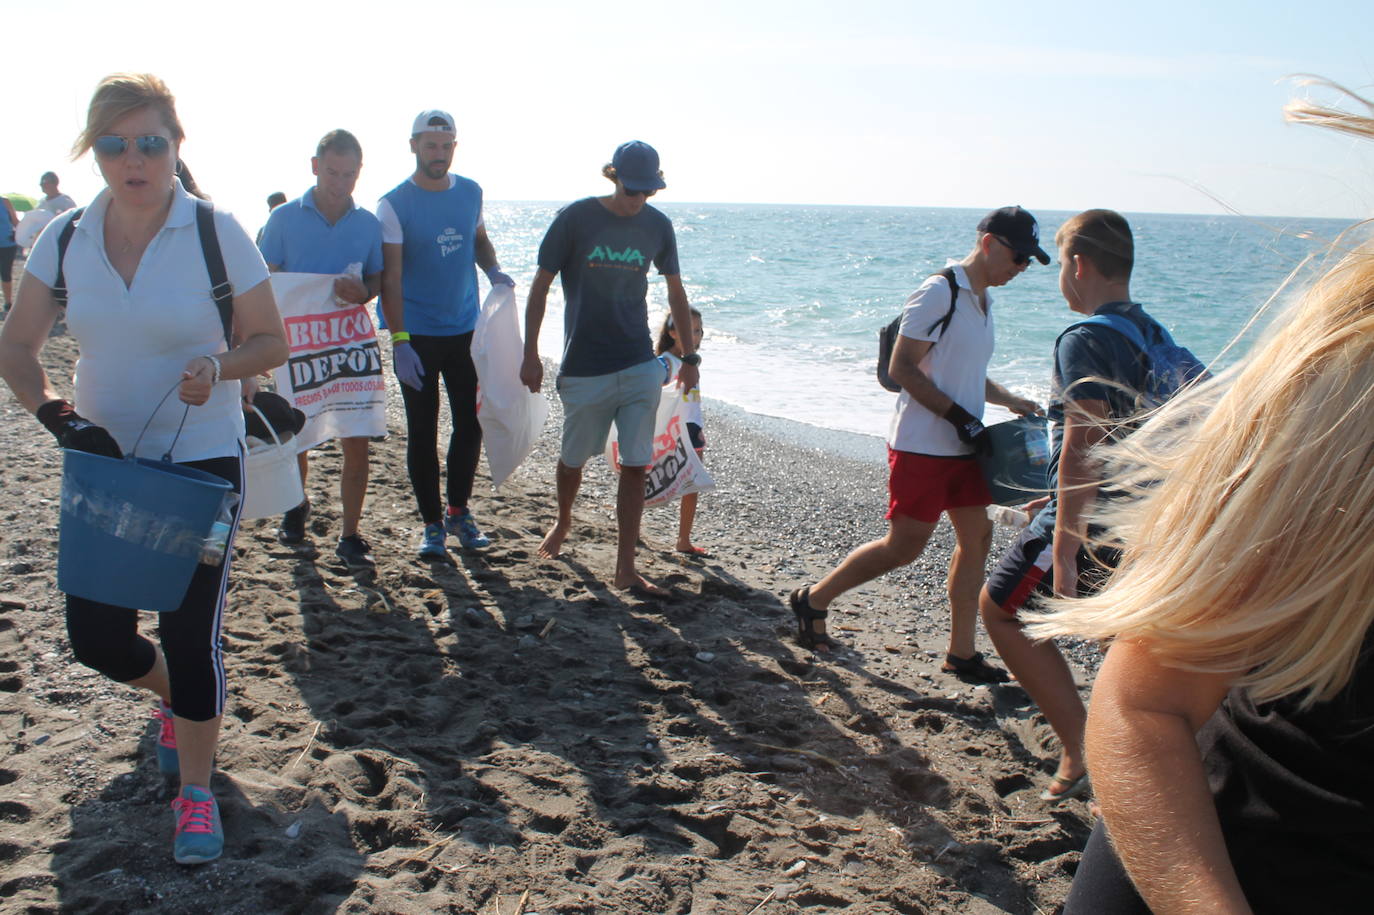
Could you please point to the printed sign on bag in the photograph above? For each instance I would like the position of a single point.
(676, 469)
(334, 371)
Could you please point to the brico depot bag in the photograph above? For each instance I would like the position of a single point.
(676, 469)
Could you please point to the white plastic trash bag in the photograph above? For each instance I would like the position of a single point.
(511, 416)
(676, 469)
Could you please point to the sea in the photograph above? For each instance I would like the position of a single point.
(792, 297)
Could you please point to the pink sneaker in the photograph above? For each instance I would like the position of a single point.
(168, 763)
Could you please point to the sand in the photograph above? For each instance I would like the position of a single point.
(503, 734)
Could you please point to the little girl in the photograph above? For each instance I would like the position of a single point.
(669, 349)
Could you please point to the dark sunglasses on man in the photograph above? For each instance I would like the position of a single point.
(1017, 257)
(111, 147)
(630, 193)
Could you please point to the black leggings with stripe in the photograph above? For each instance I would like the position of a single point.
(105, 637)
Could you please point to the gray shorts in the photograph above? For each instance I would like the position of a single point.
(628, 397)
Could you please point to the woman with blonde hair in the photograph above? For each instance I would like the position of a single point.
(1231, 733)
(135, 279)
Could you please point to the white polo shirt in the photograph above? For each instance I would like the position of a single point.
(957, 364)
(135, 341)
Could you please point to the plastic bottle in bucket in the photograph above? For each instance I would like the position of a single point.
(132, 530)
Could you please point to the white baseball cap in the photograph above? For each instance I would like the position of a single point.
(434, 121)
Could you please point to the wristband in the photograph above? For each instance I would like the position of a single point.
(400, 336)
(218, 369)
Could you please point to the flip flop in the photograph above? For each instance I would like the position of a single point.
(694, 551)
(1073, 787)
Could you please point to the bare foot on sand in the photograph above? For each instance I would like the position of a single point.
(553, 541)
(638, 584)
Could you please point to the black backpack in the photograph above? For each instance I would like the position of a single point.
(887, 336)
(220, 289)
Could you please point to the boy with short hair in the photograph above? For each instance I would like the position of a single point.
(1097, 374)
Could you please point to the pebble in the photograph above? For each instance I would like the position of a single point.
(528, 641)
(705, 657)
(293, 830)
(784, 890)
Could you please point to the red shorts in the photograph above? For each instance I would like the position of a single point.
(921, 487)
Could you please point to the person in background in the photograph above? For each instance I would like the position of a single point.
(433, 239)
(670, 349)
(274, 200)
(138, 341)
(325, 231)
(1231, 730)
(8, 249)
(940, 360)
(54, 201)
(603, 247)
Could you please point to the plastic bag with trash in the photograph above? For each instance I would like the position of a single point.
(511, 417)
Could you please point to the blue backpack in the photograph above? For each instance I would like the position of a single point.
(1169, 366)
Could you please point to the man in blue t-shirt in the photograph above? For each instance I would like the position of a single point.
(324, 231)
(1097, 374)
(433, 239)
(603, 246)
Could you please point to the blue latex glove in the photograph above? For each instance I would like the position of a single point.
(498, 278)
(408, 368)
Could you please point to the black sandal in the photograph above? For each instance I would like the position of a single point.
(974, 669)
(806, 614)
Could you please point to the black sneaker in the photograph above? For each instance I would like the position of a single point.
(292, 528)
(355, 551)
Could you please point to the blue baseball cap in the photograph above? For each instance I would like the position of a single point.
(636, 165)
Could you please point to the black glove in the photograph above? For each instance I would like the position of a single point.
(969, 428)
(76, 433)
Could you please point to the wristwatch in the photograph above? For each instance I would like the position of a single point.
(692, 359)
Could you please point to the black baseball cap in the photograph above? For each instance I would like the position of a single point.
(283, 417)
(1018, 228)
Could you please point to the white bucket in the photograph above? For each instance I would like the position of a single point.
(273, 479)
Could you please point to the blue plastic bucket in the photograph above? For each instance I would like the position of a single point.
(132, 530)
(1017, 469)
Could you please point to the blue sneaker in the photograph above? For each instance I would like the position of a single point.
(464, 527)
(432, 546)
(168, 763)
(199, 835)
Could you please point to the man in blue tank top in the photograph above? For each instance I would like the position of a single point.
(433, 240)
(603, 247)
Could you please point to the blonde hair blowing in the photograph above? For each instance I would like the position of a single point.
(120, 94)
(1255, 554)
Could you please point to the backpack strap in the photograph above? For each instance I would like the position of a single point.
(943, 323)
(220, 289)
(64, 238)
(1119, 323)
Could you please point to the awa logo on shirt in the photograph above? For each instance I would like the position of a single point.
(449, 240)
(602, 256)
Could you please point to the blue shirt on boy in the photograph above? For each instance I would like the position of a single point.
(1091, 362)
(438, 269)
(298, 238)
(604, 262)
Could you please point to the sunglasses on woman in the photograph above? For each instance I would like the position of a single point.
(112, 147)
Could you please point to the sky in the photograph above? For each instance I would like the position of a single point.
(1160, 107)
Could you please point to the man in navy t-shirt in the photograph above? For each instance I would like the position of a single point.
(1097, 375)
(603, 247)
(324, 231)
(433, 239)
